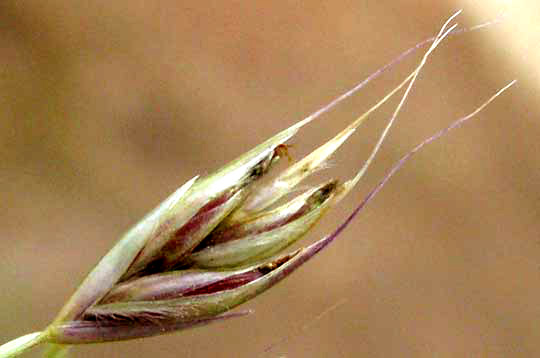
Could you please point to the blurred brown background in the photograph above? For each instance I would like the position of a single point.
(106, 107)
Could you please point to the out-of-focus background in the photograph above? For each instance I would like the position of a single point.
(106, 107)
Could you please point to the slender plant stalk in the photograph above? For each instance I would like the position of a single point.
(21, 344)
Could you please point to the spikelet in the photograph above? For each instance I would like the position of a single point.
(213, 244)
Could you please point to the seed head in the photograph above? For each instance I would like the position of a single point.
(216, 242)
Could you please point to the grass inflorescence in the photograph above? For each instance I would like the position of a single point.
(217, 241)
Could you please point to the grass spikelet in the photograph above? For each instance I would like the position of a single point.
(218, 241)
